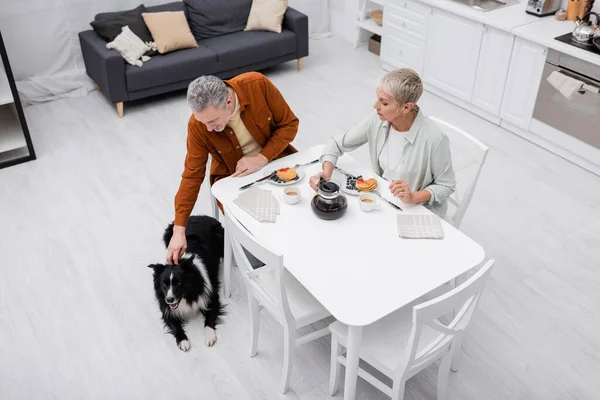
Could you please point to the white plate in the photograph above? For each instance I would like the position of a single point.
(299, 171)
(355, 192)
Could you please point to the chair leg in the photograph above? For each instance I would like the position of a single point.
(456, 355)
(120, 109)
(255, 315)
(216, 210)
(227, 262)
(289, 347)
(334, 370)
(398, 389)
(443, 375)
(299, 64)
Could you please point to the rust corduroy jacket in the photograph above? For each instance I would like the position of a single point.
(267, 117)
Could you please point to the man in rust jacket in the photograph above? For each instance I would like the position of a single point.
(243, 123)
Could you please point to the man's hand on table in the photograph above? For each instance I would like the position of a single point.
(249, 164)
(177, 245)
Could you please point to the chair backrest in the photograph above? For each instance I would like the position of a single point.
(265, 283)
(426, 316)
(468, 157)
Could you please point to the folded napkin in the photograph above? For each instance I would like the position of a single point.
(566, 85)
(419, 226)
(259, 203)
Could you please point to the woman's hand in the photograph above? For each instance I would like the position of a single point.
(401, 190)
(314, 180)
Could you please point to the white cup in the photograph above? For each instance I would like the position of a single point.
(291, 195)
(368, 202)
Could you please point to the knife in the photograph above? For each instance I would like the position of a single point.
(389, 202)
(345, 173)
(264, 178)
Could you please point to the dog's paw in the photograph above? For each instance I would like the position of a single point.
(184, 345)
(210, 337)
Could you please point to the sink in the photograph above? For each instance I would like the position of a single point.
(487, 5)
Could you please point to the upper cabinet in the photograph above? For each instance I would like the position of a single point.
(522, 83)
(453, 45)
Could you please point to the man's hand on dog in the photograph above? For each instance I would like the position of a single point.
(177, 245)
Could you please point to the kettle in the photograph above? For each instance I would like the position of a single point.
(584, 31)
(329, 203)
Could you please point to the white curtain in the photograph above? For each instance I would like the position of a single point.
(43, 47)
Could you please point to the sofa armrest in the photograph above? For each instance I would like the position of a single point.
(106, 67)
(297, 22)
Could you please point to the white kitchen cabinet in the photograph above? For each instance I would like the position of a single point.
(404, 35)
(452, 53)
(522, 83)
(492, 69)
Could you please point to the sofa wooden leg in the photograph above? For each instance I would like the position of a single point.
(299, 64)
(120, 109)
(97, 88)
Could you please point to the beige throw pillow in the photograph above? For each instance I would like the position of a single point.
(170, 31)
(266, 15)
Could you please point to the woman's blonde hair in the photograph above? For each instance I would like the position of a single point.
(404, 85)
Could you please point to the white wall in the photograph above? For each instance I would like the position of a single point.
(343, 15)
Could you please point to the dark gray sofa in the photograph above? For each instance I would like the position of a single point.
(223, 56)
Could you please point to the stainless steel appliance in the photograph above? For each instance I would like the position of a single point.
(541, 8)
(579, 116)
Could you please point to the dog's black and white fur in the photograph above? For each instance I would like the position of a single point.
(192, 287)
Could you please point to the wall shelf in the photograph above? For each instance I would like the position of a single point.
(15, 143)
(365, 26)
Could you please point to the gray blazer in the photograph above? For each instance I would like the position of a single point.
(427, 159)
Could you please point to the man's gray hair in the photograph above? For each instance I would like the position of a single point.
(403, 84)
(207, 91)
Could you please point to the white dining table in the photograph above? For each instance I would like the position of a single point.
(357, 267)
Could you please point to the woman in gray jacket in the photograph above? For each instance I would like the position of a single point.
(406, 148)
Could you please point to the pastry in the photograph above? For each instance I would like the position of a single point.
(366, 186)
(286, 174)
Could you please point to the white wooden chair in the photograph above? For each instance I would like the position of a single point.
(278, 292)
(216, 212)
(409, 340)
(468, 157)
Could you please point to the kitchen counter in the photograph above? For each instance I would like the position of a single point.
(506, 18)
(545, 30)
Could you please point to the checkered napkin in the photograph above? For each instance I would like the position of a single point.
(259, 203)
(419, 226)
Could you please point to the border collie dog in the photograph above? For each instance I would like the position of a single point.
(192, 287)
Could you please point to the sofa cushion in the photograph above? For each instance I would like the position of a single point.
(108, 25)
(170, 31)
(250, 47)
(266, 15)
(211, 18)
(173, 67)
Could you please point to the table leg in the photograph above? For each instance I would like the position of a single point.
(227, 263)
(352, 358)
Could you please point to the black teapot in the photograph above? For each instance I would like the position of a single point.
(329, 203)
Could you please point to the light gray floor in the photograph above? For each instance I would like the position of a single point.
(78, 226)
